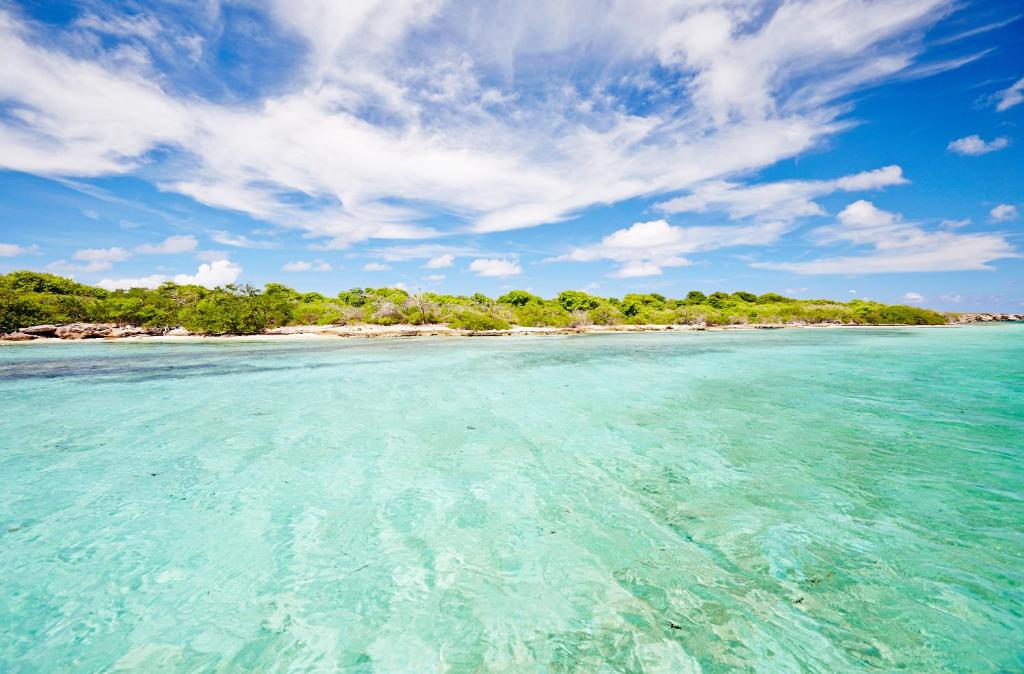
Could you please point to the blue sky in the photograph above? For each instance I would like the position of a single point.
(823, 148)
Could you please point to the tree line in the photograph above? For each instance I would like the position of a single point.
(33, 298)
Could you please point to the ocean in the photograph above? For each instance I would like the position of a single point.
(819, 500)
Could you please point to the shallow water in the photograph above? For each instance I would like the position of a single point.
(785, 501)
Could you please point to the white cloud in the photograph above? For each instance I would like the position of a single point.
(14, 250)
(644, 248)
(495, 267)
(216, 273)
(91, 260)
(913, 298)
(784, 200)
(376, 266)
(301, 265)
(1003, 212)
(638, 268)
(862, 213)
(974, 145)
(170, 245)
(488, 130)
(896, 246)
(434, 278)
(150, 282)
(1011, 96)
(440, 262)
(102, 255)
(239, 240)
(955, 224)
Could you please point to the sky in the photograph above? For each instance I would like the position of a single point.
(814, 148)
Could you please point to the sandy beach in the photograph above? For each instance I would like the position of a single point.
(369, 331)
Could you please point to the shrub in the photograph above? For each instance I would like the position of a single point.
(744, 296)
(519, 298)
(636, 305)
(579, 319)
(771, 298)
(717, 300)
(662, 317)
(226, 311)
(577, 300)
(477, 320)
(421, 311)
(605, 314)
(385, 312)
(541, 315)
(694, 297)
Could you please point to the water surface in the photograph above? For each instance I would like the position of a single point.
(786, 501)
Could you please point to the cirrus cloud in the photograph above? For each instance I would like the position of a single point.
(1011, 96)
(784, 200)
(371, 140)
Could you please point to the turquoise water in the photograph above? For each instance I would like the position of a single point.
(772, 501)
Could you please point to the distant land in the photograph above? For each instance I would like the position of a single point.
(39, 306)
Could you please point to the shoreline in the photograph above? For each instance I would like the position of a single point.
(371, 331)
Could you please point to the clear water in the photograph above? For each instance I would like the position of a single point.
(790, 501)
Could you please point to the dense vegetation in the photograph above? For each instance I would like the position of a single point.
(30, 298)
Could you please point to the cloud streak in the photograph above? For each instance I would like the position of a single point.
(785, 200)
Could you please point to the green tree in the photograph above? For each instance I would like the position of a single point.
(718, 300)
(694, 297)
(577, 300)
(519, 298)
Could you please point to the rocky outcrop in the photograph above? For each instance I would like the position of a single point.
(17, 337)
(40, 330)
(984, 317)
(85, 330)
(75, 331)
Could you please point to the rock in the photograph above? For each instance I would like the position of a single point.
(85, 330)
(985, 317)
(17, 337)
(40, 330)
(127, 331)
(177, 332)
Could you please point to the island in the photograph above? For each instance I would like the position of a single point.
(40, 306)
